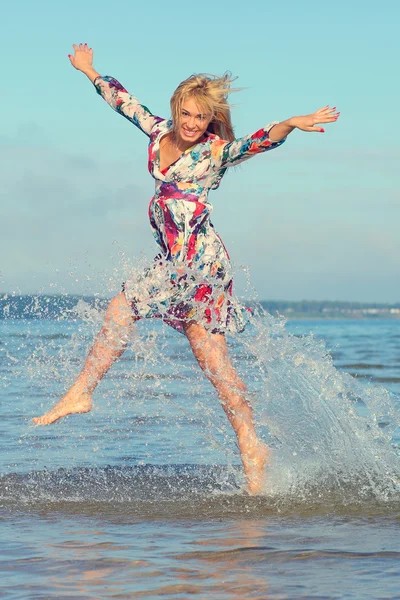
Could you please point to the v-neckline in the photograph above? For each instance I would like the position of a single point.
(167, 168)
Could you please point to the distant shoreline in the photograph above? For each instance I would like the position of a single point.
(307, 317)
(334, 310)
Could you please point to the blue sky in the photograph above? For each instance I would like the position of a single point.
(317, 218)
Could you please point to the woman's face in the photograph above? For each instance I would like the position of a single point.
(193, 121)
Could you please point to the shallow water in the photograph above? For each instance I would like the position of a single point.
(143, 497)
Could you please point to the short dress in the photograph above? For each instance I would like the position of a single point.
(190, 280)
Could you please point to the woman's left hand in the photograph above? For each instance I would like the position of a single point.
(310, 122)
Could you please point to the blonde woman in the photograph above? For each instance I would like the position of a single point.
(189, 284)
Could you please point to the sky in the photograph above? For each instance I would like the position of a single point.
(318, 218)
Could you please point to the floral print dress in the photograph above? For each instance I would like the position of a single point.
(191, 278)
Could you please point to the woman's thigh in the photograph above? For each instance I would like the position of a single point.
(211, 352)
(207, 347)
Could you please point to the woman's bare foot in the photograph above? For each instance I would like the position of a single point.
(71, 403)
(254, 463)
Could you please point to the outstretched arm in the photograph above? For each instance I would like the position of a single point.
(230, 154)
(112, 91)
(269, 137)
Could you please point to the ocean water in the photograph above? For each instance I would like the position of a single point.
(144, 496)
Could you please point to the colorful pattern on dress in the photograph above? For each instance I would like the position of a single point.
(191, 279)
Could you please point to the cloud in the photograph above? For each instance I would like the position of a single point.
(63, 213)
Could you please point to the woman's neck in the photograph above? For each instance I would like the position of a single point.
(183, 145)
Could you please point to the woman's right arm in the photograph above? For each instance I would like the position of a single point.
(112, 91)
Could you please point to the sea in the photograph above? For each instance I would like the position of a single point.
(144, 497)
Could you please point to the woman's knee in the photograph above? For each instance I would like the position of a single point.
(119, 311)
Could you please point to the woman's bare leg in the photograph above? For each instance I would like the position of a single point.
(110, 343)
(212, 355)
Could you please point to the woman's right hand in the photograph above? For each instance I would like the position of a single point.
(82, 58)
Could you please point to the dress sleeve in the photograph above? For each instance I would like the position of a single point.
(230, 154)
(126, 105)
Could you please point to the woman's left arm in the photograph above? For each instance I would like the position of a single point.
(229, 154)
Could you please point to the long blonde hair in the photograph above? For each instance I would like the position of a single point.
(211, 93)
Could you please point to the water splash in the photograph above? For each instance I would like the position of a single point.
(333, 437)
(330, 431)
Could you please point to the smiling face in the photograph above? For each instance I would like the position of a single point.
(193, 121)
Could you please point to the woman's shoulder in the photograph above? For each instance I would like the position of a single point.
(160, 127)
(213, 137)
(217, 145)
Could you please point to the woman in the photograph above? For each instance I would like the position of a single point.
(189, 285)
